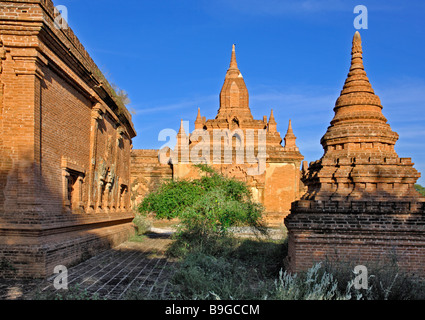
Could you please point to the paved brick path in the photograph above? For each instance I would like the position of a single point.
(133, 270)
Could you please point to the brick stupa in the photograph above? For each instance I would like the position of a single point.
(360, 161)
(360, 201)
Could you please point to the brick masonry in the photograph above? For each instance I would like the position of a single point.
(65, 143)
(147, 174)
(360, 203)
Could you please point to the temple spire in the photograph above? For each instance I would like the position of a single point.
(198, 117)
(290, 131)
(358, 110)
(234, 97)
(290, 139)
(181, 132)
(272, 125)
(199, 122)
(233, 63)
(357, 80)
(233, 71)
(357, 43)
(271, 119)
(182, 146)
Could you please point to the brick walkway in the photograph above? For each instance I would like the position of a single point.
(133, 270)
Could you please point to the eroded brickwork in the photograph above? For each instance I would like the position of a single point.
(361, 204)
(65, 143)
(147, 174)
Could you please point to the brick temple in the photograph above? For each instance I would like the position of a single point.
(361, 203)
(234, 144)
(65, 143)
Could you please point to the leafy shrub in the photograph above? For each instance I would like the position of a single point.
(206, 208)
(215, 212)
(171, 198)
(420, 189)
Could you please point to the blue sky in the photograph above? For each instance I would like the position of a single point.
(171, 57)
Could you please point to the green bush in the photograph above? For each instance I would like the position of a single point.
(420, 189)
(215, 212)
(206, 207)
(171, 198)
(174, 196)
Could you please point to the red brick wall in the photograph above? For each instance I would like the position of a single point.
(147, 174)
(50, 92)
(361, 232)
(66, 121)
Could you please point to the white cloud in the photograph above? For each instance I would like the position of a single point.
(186, 103)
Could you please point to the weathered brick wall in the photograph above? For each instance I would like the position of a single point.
(361, 232)
(65, 144)
(66, 124)
(282, 187)
(147, 174)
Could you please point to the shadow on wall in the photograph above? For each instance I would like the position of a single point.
(36, 236)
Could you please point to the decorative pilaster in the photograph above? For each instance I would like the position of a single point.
(96, 116)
